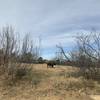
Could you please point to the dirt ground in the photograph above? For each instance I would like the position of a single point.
(50, 84)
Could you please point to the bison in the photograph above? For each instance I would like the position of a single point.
(50, 64)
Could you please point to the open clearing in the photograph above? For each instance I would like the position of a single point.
(51, 84)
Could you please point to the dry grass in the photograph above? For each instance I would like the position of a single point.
(50, 84)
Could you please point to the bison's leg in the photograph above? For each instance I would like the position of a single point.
(47, 65)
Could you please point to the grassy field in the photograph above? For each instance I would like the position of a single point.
(59, 83)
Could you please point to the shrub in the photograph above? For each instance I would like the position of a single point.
(20, 73)
(75, 85)
(91, 74)
(23, 71)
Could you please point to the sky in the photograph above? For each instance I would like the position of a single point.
(55, 21)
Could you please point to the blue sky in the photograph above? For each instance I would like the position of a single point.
(56, 21)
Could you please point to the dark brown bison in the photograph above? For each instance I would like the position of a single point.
(50, 64)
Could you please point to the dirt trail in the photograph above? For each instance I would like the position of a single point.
(95, 97)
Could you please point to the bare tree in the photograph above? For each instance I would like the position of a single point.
(89, 53)
(9, 47)
(89, 45)
(28, 52)
(86, 54)
(62, 51)
(9, 43)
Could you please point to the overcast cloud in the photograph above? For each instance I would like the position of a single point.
(56, 21)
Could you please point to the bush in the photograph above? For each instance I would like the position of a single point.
(75, 85)
(91, 73)
(21, 72)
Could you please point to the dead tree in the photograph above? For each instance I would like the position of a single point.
(28, 50)
(9, 40)
(9, 44)
(63, 52)
(89, 53)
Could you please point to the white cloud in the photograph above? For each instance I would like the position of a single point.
(66, 40)
(54, 20)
